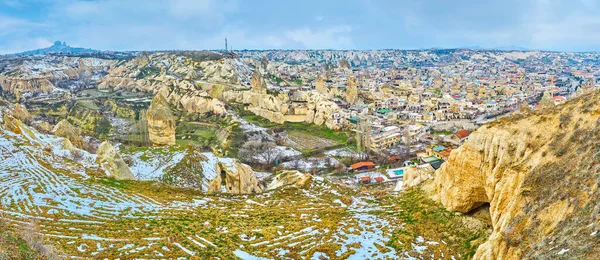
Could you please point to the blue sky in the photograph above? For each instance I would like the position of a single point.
(309, 24)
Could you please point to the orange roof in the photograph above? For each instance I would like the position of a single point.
(361, 164)
(365, 178)
(462, 134)
(445, 153)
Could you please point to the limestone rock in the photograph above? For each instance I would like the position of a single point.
(68, 131)
(161, 122)
(44, 127)
(321, 87)
(538, 176)
(322, 111)
(239, 179)
(20, 85)
(547, 101)
(259, 85)
(352, 91)
(109, 159)
(22, 114)
(414, 176)
(290, 178)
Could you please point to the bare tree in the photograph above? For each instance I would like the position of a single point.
(257, 151)
(340, 168)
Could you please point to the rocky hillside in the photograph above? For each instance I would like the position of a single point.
(34, 74)
(540, 174)
(149, 72)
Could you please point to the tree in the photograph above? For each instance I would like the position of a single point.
(258, 151)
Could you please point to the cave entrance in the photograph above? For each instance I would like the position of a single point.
(482, 213)
(223, 177)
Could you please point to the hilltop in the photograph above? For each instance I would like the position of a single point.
(60, 48)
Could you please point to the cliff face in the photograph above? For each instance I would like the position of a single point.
(540, 175)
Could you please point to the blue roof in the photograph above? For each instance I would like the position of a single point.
(439, 148)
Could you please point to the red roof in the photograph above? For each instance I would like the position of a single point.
(462, 134)
(361, 164)
(365, 178)
(379, 179)
(559, 98)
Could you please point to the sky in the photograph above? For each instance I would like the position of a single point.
(120, 25)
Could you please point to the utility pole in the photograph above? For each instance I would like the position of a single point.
(226, 45)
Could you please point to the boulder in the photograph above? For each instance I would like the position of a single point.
(22, 114)
(238, 179)
(68, 131)
(110, 160)
(290, 178)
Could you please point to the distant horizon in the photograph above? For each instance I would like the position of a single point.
(123, 25)
(500, 48)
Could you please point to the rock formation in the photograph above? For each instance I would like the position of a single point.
(290, 178)
(21, 85)
(259, 85)
(540, 178)
(238, 179)
(70, 132)
(44, 127)
(322, 111)
(524, 107)
(161, 122)
(110, 160)
(414, 176)
(352, 91)
(547, 101)
(321, 87)
(22, 114)
(209, 173)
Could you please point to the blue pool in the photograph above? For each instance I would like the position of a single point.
(399, 172)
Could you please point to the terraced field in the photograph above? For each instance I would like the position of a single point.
(85, 215)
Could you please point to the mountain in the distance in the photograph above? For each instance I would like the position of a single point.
(59, 48)
(510, 48)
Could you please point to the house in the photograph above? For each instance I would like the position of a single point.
(559, 100)
(362, 166)
(365, 179)
(439, 151)
(436, 164)
(462, 135)
(394, 158)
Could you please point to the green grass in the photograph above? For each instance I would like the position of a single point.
(340, 137)
(443, 132)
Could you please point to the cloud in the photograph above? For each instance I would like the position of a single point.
(337, 37)
(265, 24)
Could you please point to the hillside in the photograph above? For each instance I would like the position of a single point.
(75, 210)
(539, 174)
(59, 48)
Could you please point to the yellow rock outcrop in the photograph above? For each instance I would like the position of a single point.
(109, 159)
(539, 175)
(161, 122)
